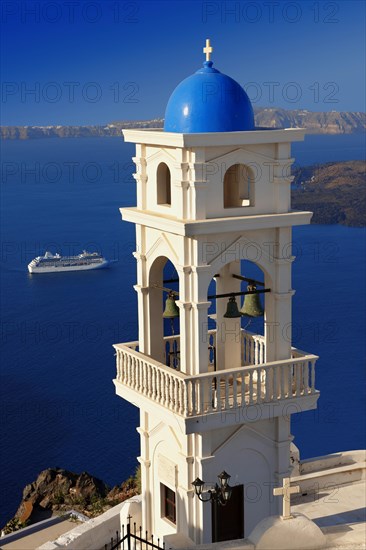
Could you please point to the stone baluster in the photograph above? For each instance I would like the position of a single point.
(275, 382)
(118, 365)
(128, 379)
(282, 383)
(306, 378)
(267, 382)
(290, 379)
(149, 384)
(185, 398)
(298, 379)
(176, 395)
(259, 385)
(166, 390)
(262, 351)
(172, 393)
(180, 404)
(124, 360)
(201, 391)
(250, 387)
(235, 391)
(210, 396)
(312, 376)
(138, 374)
(242, 389)
(227, 404)
(218, 392)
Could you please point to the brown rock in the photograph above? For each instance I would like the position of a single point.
(55, 487)
(59, 489)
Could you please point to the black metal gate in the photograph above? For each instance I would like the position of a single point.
(129, 537)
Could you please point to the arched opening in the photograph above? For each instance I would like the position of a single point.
(238, 186)
(164, 313)
(237, 339)
(236, 321)
(163, 179)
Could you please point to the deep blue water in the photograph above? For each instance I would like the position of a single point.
(324, 148)
(57, 398)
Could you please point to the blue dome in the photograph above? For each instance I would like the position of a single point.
(208, 101)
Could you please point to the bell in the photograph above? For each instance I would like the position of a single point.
(171, 309)
(232, 311)
(252, 306)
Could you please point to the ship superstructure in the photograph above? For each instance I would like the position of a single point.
(55, 263)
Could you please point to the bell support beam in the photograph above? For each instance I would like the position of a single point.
(252, 281)
(241, 293)
(214, 296)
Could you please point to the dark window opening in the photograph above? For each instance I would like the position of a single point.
(168, 503)
(163, 185)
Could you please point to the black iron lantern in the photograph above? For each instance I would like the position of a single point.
(221, 493)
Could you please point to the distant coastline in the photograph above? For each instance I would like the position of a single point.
(332, 122)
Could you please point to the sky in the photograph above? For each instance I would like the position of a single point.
(93, 62)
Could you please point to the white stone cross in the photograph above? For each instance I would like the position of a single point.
(286, 491)
(208, 49)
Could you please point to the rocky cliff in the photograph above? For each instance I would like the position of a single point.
(56, 490)
(316, 122)
(332, 122)
(335, 192)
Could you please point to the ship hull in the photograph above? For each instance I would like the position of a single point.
(63, 269)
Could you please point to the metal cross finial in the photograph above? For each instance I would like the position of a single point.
(286, 491)
(208, 49)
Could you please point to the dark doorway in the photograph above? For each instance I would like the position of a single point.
(228, 521)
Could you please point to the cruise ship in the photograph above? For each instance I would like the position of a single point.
(55, 263)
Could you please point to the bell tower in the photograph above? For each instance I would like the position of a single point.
(213, 194)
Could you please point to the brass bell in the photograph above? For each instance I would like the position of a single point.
(171, 309)
(252, 306)
(232, 311)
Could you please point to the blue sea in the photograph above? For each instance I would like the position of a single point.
(58, 406)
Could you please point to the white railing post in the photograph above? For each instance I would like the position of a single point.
(313, 376)
(275, 382)
(251, 387)
(298, 379)
(185, 398)
(242, 378)
(235, 391)
(218, 392)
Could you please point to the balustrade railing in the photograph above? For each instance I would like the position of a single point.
(222, 390)
(253, 348)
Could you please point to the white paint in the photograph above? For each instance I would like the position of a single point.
(94, 533)
(195, 422)
(167, 471)
(274, 533)
(285, 492)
